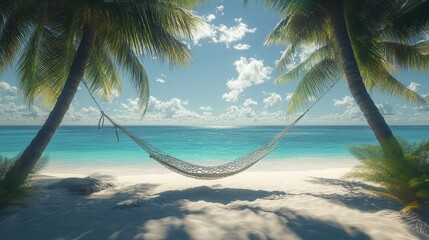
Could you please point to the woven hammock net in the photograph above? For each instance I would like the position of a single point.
(207, 172)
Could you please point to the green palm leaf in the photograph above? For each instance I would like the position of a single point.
(314, 83)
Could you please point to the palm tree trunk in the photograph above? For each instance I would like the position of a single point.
(28, 159)
(358, 90)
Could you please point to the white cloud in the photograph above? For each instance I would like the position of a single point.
(345, 101)
(385, 109)
(113, 95)
(229, 35)
(288, 96)
(203, 31)
(132, 105)
(273, 100)
(13, 113)
(249, 102)
(160, 80)
(300, 55)
(414, 86)
(7, 92)
(174, 109)
(250, 72)
(4, 86)
(158, 111)
(90, 110)
(311, 98)
(423, 108)
(222, 33)
(239, 112)
(219, 9)
(206, 108)
(241, 46)
(210, 17)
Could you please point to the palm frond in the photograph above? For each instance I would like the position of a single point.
(13, 35)
(129, 62)
(156, 29)
(279, 33)
(314, 83)
(301, 28)
(311, 60)
(389, 85)
(34, 66)
(414, 57)
(411, 19)
(102, 73)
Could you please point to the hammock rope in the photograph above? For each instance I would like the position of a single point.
(199, 171)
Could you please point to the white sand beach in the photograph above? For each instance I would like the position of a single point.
(313, 204)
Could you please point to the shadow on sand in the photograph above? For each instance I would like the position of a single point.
(193, 213)
(359, 195)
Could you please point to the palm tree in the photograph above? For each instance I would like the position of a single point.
(411, 20)
(347, 37)
(60, 42)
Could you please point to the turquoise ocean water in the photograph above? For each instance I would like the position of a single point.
(86, 145)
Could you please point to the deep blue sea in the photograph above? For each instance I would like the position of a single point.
(82, 145)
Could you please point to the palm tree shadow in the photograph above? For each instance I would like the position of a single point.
(359, 195)
(136, 211)
(307, 227)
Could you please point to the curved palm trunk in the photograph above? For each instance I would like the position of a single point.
(358, 90)
(28, 159)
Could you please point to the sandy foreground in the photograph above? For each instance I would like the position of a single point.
(314, 204)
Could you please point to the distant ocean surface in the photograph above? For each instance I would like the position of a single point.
(86, 145)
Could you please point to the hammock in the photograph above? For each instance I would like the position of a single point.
(198, 171)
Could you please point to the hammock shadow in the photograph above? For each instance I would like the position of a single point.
(208, 212)
(358, 196)
(203, 193)
(215, 195)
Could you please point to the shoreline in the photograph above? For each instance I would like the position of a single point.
(150, 166)
(309, 204)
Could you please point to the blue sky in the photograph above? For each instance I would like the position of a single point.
(228, 82)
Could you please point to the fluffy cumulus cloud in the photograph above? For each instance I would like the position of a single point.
(174, 108)
(239, 112)
(345, 101)
(206, 108)
(385, 109)
(241, 47)
(7, 92)
(6, 87)
(222, 33)
(414, 86)
(300, 55)
(219, 9)
(210, 17)
(249, 102)
(288, 96)
(423, 108)
(273, 100)
(250, 72)
(113, 95)
(204, 31)
(232, 34)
